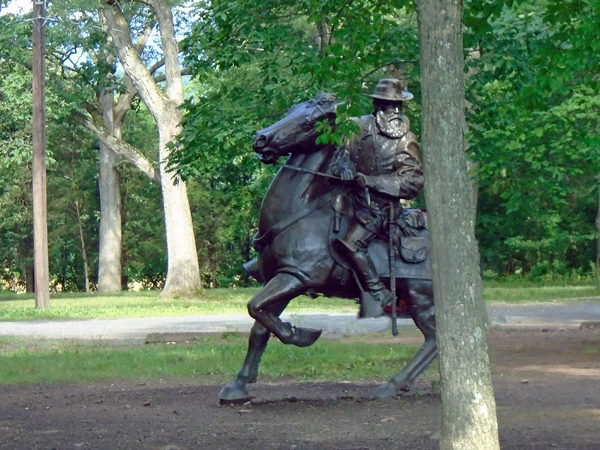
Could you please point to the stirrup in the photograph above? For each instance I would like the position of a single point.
(384, 296)
(369, 307)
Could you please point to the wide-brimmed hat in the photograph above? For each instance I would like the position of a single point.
(391, 89)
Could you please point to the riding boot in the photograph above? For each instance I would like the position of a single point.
(367, 275)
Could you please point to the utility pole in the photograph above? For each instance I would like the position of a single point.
(40, 223)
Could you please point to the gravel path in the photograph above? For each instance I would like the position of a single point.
(541, 315)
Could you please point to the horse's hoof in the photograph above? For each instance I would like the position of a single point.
(233, 393)
(384, 391)
(303, 337)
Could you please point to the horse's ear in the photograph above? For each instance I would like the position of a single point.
(338, 103)
(325, 97)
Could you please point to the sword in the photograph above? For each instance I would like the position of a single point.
(392, 263)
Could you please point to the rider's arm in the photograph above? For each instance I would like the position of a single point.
(342, 164)
(407, 184)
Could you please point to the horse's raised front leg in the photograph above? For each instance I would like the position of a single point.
(266, 306)
(422, 310)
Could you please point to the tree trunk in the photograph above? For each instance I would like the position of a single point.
(598, 240)
(109, 255)
(323, 35)
(183, 272)
(469, 410)
(29, 279)
(40, 224)
(183, 269)
(86, 266)
(474, 198)
(472, 167)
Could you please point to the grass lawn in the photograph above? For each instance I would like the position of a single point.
(150, 304)
(214, 357)
(15, 307)
(524, 292)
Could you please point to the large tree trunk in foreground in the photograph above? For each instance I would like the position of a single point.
(110, 241)
(183, 272)
(469, 410)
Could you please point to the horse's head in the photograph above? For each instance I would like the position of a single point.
(296, 132)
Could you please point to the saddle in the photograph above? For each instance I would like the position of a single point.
(411, 250)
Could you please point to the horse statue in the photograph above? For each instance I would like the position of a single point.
(302, 213)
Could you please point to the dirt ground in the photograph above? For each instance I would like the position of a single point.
(547, 387)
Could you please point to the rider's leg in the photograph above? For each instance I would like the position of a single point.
(354, 250)
(266, 306)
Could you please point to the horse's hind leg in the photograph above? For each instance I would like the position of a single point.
(266, 306)
(422, 310)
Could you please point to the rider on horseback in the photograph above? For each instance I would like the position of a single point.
(383, 164)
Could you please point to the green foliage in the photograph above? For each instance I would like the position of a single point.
(72, 83)
(72, 178)
(144, 256)
(251, 61)
(70, 174)
(533, 114)
(535, 132)
(15, 177)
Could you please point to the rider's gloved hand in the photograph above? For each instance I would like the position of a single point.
(346, 174)
(361, 180)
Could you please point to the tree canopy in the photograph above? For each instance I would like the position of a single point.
(534, 131)
(532, 113)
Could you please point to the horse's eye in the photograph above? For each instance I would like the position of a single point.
(307, 125)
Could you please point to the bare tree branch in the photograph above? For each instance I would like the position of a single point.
(121, 148)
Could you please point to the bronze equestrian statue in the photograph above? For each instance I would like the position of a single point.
(305, 213)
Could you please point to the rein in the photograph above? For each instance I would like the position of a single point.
(300, 169)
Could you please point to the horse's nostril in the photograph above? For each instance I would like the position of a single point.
(260, 140)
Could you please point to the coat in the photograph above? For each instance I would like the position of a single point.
(392, 166)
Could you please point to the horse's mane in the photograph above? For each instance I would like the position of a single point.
(322, 99)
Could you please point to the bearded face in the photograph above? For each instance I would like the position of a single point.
(389, 119)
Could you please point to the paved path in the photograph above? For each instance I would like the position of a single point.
(545, 315)
(138, 329)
